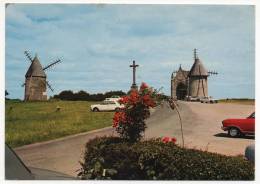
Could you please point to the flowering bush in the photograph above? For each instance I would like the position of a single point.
(113, 158)
(130, 121)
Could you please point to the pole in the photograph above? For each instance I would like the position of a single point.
(173, 105)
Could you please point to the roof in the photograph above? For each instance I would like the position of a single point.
(184, 72)
(198, 69)
(180, 71)
(35, 69)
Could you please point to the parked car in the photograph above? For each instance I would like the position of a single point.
(192, 98)
(208, 99)
(15, 169)
(106, 105)
(250, 153)
(112, 99)
(239, 127)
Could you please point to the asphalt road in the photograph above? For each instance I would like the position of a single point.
(201, 125)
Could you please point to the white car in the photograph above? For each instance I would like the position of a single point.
(106, 105)
(192, 98)
(208, 99)
(112, 99)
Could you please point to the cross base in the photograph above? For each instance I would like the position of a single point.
(134, 86)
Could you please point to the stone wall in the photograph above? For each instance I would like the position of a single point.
(196, 86)
(35, 89)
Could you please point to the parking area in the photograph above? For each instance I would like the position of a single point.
(201, 125)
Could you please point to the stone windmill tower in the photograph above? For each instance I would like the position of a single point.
(198, 78)
(35, 80)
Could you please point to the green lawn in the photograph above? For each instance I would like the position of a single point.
(30, 122)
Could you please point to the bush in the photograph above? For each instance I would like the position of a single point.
(114, 158)
(130, 122)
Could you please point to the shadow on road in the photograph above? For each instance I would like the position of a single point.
(227, 136)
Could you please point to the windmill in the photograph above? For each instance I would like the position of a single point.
(35, 79)
(198, 78)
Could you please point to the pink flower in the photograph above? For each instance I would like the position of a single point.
(174, 140)
(168, 139)
(143, 86)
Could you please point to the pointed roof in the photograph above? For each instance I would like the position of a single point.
(184, 72)
(35, 69)
(198, 69)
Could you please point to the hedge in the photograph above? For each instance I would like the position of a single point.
(113, 158)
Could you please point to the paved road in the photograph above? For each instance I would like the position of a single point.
(62, 155)
(201, 124)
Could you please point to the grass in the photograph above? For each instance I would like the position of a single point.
(30, 122)
(244, 101)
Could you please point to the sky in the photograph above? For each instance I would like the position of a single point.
(97, 43)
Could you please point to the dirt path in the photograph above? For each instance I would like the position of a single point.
(201, 123)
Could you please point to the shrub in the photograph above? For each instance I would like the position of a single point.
(114, 158)
(130, 122)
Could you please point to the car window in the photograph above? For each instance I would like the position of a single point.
(252, 115)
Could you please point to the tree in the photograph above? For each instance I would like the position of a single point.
(6, 93)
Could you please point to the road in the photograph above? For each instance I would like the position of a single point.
(201, 125)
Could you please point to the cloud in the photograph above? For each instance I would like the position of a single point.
(98, 43)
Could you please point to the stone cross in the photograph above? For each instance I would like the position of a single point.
(134, 86)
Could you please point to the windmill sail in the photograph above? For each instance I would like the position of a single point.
(28, 56)
(50, 65)
(49, 86)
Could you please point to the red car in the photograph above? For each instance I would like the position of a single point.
(239, 127)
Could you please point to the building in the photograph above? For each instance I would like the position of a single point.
(190, 83)
(35, 82)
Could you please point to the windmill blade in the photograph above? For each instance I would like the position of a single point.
(213, 73)
(49, 86)
(50, 65)
(28, 55)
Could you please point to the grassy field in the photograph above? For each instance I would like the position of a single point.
(32, 122)
(244, 101)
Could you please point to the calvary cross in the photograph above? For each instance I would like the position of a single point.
(134, 86)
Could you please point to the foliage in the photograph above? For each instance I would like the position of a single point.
(30, 122)
(114, 158)
(85, 96)
(6, 93)
(130, 121)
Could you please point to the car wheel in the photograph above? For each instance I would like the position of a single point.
(233, 132)
(95, 109)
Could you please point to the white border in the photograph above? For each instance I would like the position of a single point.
(199, 2)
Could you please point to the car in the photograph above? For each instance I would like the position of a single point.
(192, 98)
(239, 127)
(112, 99)
(208, 99)
(250, 153)
(107, 105)
(15, 169)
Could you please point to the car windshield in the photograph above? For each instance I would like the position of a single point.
(252, 115)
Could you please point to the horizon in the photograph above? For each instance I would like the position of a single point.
(97, 43)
